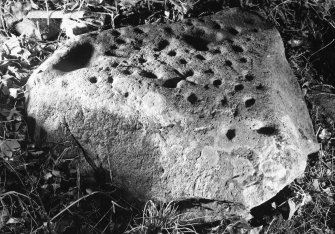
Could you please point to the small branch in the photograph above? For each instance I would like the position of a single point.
(72, 204)
(321, 49)
(55, 15)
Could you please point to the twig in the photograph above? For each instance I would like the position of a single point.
(13, 193)
(78, 180)
(46, 6)
(321, 49)
(332, 165)
(55, 15)
(72, 204)
(270, 225)
(103, 217)
(110, 169)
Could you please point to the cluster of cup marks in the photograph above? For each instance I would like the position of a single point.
(201, 45)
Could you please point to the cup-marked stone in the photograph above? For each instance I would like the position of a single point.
(204, 109)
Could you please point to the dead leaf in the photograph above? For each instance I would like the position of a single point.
(13, 47)
(48, 176)
(14, 115)
(256, 230)
(307, 199)
(13, 11)
(293, 208)
(4, 216)
(55, 173)
(8, 147)
(14, 221)
(89, 191)
(13, 92)
(4, 89)
(19, 9)
(33, 5)
(295, 42)
(316, 184)
(37, 153)
(28, 29)
(4, 112)
(55, 186)
(328, 191)
(14, 71)
(73, 28)
(7, 80)
(73, 171)
(167, 14)
(325, 134)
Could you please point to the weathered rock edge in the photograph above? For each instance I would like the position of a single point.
(204, 109)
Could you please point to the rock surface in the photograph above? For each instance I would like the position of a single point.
(204, 109)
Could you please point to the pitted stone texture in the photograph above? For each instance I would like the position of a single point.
(204, 109)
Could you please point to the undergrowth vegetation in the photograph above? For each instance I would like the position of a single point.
(42, 189)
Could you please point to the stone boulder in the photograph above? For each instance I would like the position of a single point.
(206, 109)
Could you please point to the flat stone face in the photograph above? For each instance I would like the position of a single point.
(203, 109)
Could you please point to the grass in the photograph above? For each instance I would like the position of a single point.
(160, 218)
(42, 190)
